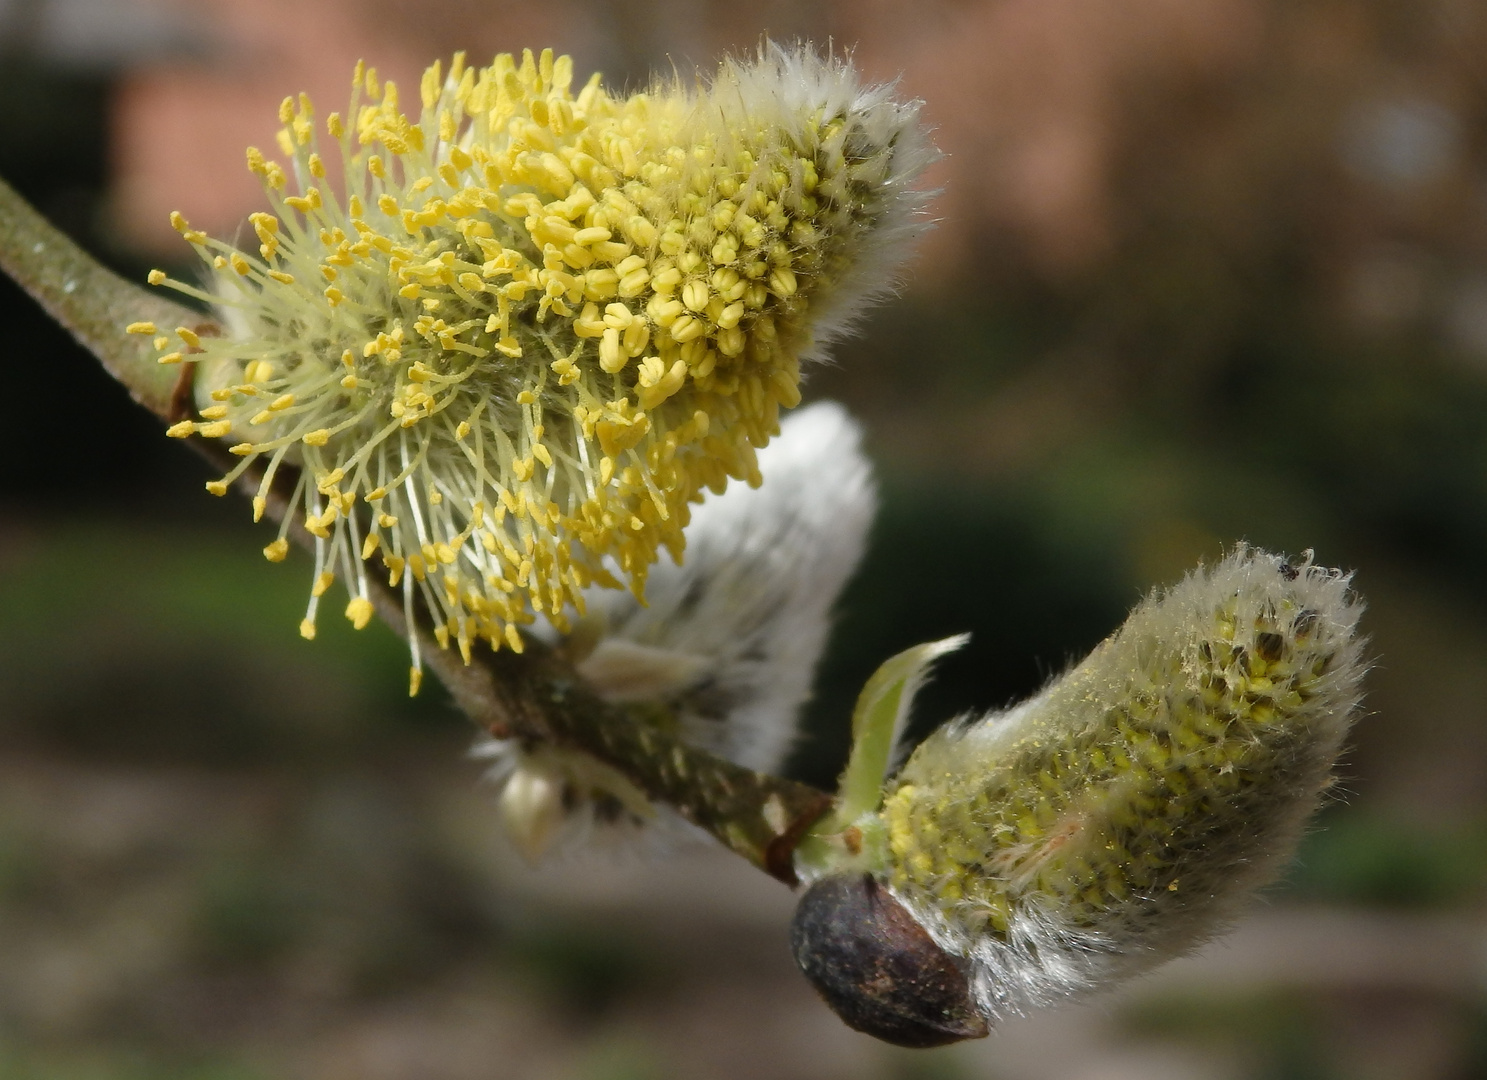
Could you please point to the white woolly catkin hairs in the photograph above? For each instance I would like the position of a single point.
(752, 599)
(729, 640)
(1121, 816)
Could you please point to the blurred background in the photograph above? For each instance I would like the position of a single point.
(1205, 270)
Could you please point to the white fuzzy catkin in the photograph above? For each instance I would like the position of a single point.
(728, 641)
(1120, 816)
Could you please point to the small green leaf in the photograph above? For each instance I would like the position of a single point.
(878, 722)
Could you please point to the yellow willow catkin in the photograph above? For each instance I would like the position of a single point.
(1117, 818)
(531, 325)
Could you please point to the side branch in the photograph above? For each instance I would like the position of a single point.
(89, 300)
(534, 696)
(760, 817)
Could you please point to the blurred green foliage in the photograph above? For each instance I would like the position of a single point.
(1361, 857)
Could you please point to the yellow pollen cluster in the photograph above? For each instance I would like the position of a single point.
(530, 327)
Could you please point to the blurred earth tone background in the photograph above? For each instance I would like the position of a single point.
(1206, 270)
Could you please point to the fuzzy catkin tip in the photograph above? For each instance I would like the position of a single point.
(1120, 816)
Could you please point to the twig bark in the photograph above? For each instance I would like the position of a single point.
(89, 300)
(534, 696)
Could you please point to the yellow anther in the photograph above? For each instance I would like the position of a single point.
(181, 430)
(694, 295)
(664, 312)
(214, 412)
(188, 336)
(319, 437)
(611, 357)
(214, 430)
(663, 386)
(156, 277)
(216, 487)
(686, 328)
(171, 358)
(610, 251)
(634, 283)
(307, 629)
(276, 551)
(140, 328)
(359, 612)
(323, 581)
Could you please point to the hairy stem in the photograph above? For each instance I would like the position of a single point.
(534, 696)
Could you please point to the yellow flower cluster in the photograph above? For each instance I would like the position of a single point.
(534, 325)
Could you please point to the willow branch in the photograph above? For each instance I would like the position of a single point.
(534, 696)
(89, 300)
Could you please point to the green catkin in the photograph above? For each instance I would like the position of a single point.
(1117, 818)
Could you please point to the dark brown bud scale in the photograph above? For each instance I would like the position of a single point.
(878, 968)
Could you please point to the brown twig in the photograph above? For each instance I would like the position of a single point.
(534, 696)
